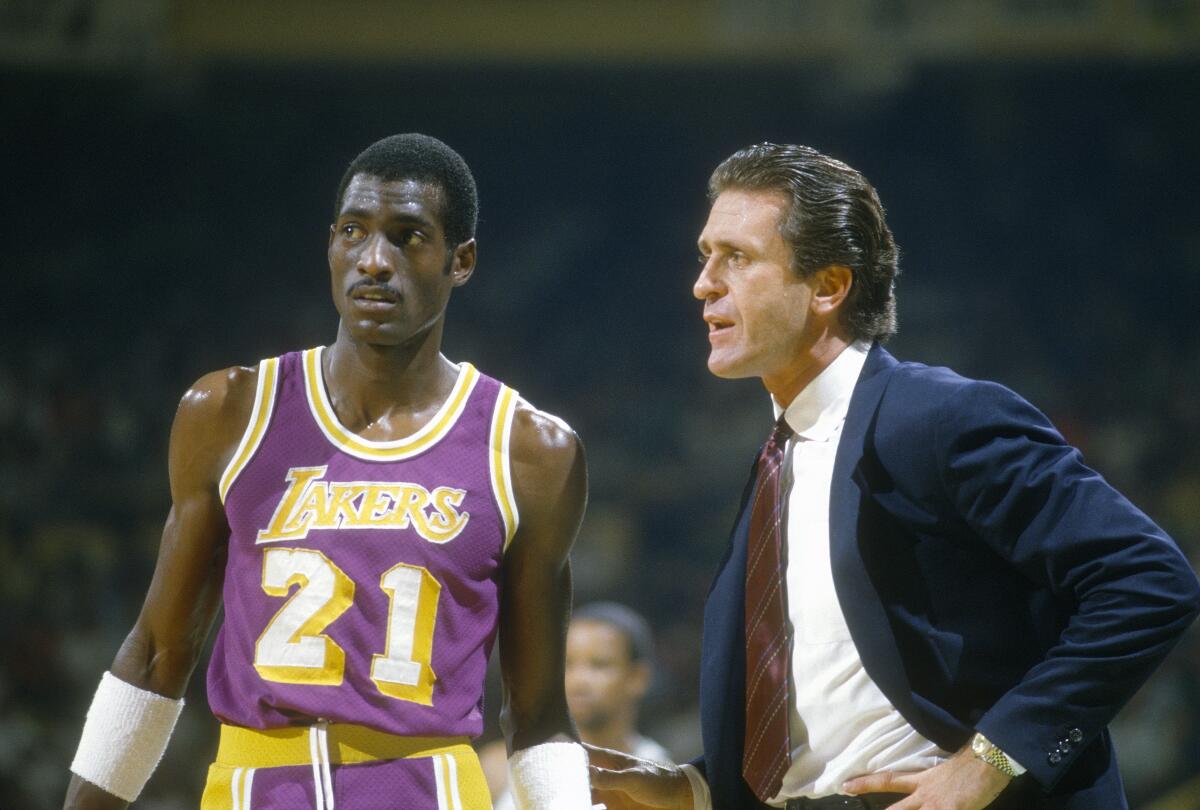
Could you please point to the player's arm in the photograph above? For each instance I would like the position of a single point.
(152, 668)
(550, 483)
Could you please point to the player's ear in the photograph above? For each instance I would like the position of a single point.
(462, 263)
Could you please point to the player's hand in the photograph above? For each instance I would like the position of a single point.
(963, 782)
(623, 782)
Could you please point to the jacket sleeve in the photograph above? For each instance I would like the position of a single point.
(1020, 487)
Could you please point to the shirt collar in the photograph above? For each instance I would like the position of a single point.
(819, 409)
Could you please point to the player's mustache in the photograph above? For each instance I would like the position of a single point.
(370, 283)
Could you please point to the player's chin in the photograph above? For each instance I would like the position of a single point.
(376, 333)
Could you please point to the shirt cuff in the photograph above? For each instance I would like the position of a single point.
(701, 798)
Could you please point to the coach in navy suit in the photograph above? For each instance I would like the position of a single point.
(965, 604)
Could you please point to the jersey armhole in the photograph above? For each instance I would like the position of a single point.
(499, 462)
(256, 428)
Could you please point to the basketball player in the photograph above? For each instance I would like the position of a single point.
(609, 668)
(368, 514)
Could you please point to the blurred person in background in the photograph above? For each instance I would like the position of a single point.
(368, 515)
(609, 668)
(928, 600)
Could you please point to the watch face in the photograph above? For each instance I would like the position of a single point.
(980, 745)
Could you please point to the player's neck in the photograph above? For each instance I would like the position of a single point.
(366, 382)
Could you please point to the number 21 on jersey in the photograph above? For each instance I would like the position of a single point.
(293, 649)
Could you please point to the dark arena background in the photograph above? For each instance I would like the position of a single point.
(168, 173)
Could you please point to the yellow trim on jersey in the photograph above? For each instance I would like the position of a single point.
(348, 744)
(366, 449)
(499, 461)
(256, 428)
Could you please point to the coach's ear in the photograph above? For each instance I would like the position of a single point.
(830, 286)
(462, 264)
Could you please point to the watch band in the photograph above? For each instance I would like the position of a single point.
(983, 748)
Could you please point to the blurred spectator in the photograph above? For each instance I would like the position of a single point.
(609, 666)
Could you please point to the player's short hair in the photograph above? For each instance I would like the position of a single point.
(835, 217)
(413, 156)
(626, 621)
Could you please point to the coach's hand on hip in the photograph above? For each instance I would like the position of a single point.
(962, 782)
(623, 782)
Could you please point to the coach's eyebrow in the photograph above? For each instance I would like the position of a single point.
(718, 244)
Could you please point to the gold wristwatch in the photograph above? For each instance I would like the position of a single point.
(982, 747)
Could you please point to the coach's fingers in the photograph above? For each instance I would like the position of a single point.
(658, 786)
(884, 782)
(608, 758)
(631, 783)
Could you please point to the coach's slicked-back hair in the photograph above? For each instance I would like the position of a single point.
(835, 217)
(413, 156)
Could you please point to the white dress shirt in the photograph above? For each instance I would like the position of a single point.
(841, 724)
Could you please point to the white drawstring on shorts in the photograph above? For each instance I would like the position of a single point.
(318, 747)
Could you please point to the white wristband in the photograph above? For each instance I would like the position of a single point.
(124, 737)
(550, 776)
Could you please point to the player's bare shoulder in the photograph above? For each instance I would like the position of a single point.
(549, 473)
(210, 421)
(543, 445)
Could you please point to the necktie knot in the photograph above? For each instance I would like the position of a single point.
(778, 438)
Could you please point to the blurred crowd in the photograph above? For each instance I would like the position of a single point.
(165, 234)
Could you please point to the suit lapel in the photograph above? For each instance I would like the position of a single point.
(865, 614)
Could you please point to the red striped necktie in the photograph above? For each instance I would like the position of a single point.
(767, 749)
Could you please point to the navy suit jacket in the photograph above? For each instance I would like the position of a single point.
(990, 581)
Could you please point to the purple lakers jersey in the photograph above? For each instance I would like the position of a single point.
(362, 580)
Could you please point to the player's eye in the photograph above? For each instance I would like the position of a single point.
(352, 232)
(411, 239)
